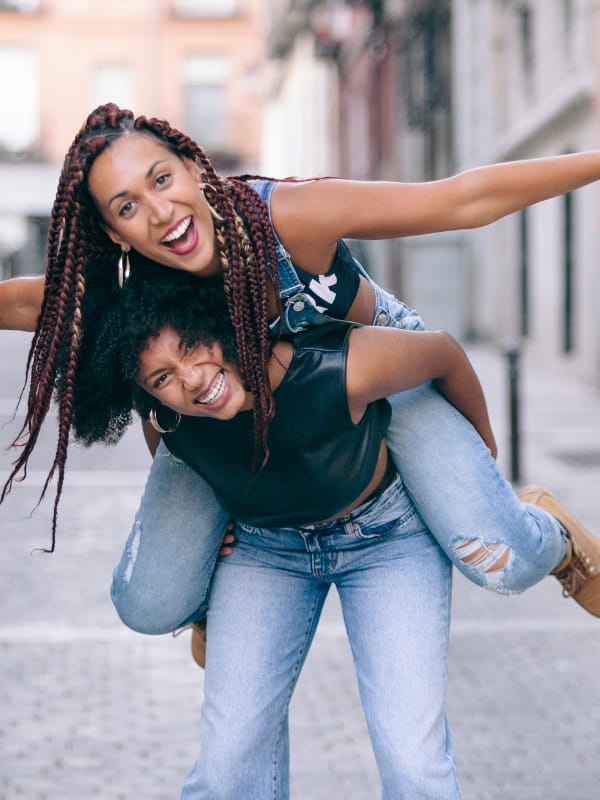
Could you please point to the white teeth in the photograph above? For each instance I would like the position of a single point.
(179, 230)
(218, 390)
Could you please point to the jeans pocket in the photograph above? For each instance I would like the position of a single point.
(403, 524)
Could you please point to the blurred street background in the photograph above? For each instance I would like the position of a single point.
(90, 709)
(364, 89)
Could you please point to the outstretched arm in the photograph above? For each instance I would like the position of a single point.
(310, 217)
(383, 361)
(20, 303)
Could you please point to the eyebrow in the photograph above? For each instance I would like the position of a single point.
(146, 176)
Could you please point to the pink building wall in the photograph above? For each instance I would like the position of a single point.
(72, 38)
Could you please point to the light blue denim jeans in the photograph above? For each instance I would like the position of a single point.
(394, 584)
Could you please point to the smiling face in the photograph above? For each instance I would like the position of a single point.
(196, 381)
(151, 200)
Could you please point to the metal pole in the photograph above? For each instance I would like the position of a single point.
(513, 356)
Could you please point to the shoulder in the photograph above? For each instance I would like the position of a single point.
(318, 348)
(305, 220)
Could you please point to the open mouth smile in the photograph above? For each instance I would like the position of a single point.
(215, 391)
(182, 238)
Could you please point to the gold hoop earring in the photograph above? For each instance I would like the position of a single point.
(214, 213)
(123, 268)
(158, 427)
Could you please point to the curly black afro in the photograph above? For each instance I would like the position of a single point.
(116, 327)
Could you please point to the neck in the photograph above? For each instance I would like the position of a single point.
(279, 362)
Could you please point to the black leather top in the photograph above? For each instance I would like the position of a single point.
(319, 462)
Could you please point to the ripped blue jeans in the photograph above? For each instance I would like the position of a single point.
(394, 586)
(162, 578)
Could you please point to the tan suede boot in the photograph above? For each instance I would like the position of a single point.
(198, 640)
(579, 571)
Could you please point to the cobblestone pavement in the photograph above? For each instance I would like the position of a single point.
(92, 710)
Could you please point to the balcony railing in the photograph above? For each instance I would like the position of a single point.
(206, 8)
(20, 6)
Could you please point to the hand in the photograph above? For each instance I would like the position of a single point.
(228, 540)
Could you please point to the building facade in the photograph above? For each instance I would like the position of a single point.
(525, 85)
(365, 89)
(384, 107)
(198, 63)
(421, 89)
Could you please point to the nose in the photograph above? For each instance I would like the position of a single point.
(191, 378)
(160, 209)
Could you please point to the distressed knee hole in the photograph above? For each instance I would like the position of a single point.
(482, 556)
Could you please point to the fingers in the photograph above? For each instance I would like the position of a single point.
(228, 540)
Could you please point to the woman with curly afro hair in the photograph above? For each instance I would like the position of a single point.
(134, 189)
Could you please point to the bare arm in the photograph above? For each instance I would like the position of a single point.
(151, 436)
(310, 217)
(383, 361)
(20, 303)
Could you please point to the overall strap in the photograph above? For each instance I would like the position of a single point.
(289, 283)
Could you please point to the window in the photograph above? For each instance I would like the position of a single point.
(568, 14)
(525, 16)
(524, 271)
(19, 99)
(205, 97)
(568, 25)
(427, 86)
(112, 83)
(205, 8)
(22, 6)
(568, 325)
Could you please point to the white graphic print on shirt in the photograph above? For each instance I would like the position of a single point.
(321, 288)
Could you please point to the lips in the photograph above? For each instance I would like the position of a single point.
(214, 392)
(182, 238)
(177, 231)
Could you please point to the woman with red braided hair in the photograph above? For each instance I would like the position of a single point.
(133, 189)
